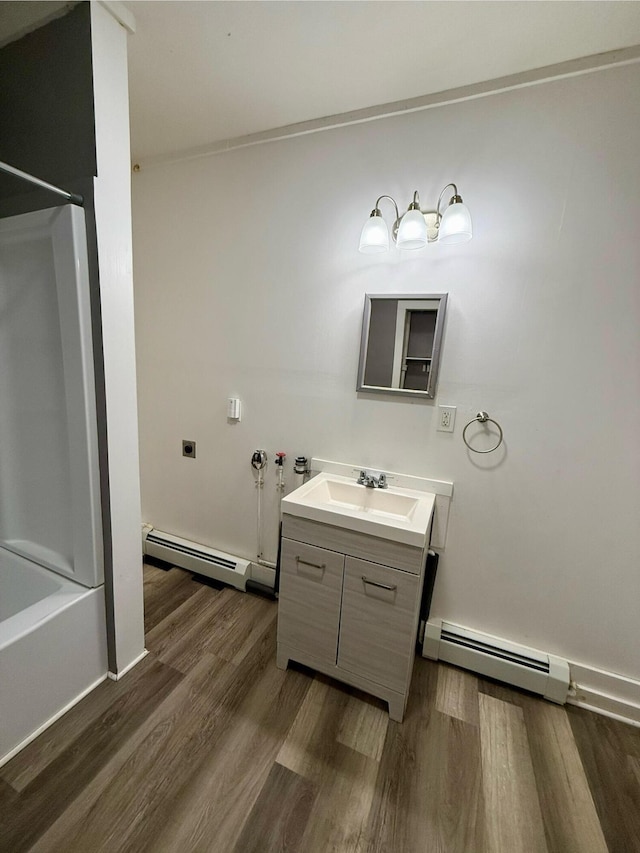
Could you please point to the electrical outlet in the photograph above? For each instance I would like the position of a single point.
(446, 418)
(189, 449)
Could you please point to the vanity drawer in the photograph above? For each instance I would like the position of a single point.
(409, 558)
(309, 599)
(377, 637)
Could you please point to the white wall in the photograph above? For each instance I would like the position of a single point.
(113, 224)
(542, 332)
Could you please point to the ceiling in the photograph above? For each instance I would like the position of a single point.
(203, 72)
(18, 19)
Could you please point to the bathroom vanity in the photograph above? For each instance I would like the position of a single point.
(352, 571)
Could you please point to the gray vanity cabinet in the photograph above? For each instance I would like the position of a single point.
(376, 636)
(349, 607)
(309, 600)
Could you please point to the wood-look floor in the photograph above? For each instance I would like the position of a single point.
(206, 746)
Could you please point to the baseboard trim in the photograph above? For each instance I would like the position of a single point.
(599, 708)
(607, 693)
(263, 574)
(116, 676)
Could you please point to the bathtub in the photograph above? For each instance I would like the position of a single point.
(53, 641)
(52, 648)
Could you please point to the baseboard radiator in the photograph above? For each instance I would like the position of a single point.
(197, 558)
(496, 658)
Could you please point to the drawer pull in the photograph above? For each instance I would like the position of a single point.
(302, 562)
(390, 587)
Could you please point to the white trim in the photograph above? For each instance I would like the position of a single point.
(119, 11)
(601, 704)
(116, 676)
(571, 68)
(604, 692)
(51, 721)
(263, 574)
(112, 202)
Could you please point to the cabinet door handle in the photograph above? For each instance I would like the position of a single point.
(302, 562)
(390, 587)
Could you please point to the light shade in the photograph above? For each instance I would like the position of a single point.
(412, 231)
(455, 225)
(375, 235)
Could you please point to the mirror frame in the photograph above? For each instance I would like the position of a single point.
(430, 393)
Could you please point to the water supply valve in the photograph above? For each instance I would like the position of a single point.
(301, 465)
(280, 457)
(259, 459)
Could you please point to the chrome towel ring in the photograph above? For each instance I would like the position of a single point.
(482, 417)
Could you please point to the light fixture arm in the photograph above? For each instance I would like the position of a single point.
(376, 209)
(456, 198)
(415, 204)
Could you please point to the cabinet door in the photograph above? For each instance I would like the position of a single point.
(377, 632)
(309, 599)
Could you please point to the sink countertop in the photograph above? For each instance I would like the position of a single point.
(395, 513)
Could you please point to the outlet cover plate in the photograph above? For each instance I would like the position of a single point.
(446, 418)
(189, 449)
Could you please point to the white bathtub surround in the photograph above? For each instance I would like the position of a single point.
(52, 648)
(48, 450)
(53, 641)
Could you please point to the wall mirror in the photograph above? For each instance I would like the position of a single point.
(401, 340)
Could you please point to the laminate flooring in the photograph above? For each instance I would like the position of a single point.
(206, 746)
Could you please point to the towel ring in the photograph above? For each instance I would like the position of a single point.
(482, 417)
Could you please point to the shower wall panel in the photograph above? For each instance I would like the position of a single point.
(49, 483)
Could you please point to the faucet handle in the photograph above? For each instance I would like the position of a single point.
(372, 480)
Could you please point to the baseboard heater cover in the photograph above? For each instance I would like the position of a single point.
(197, 558)
(497, 658)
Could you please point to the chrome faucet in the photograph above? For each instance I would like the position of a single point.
(372, 481)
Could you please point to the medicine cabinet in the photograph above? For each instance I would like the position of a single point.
(401, 343)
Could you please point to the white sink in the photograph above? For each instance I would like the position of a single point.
(401, 515)
(330, 492)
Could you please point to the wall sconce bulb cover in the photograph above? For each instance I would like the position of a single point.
(412, 231)
(375, 235)
(455, 225)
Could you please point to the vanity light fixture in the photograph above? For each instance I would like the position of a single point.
(418, 227)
